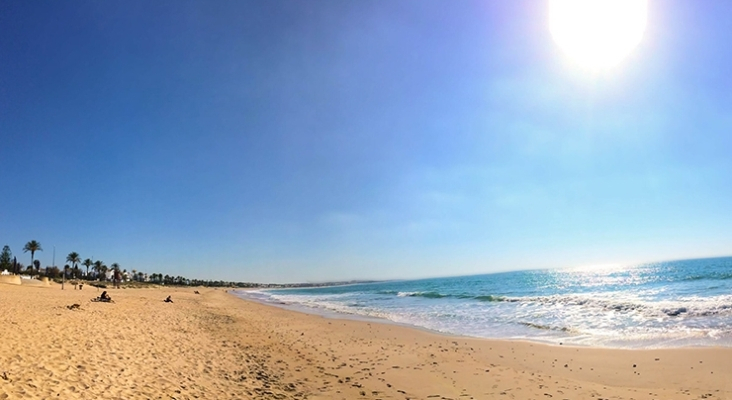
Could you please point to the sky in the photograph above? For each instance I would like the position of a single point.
(293, 141)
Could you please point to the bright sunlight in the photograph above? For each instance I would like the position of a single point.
(597, 34)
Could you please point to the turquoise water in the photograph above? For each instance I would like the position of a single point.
(664, 304)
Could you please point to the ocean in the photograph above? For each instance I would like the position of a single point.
(653, 305)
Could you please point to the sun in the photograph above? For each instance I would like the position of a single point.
(597, 34)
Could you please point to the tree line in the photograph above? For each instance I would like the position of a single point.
(97, 270)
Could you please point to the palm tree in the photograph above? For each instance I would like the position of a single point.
(74, 259)
(33, 247)
(87, 263)
(115, 268)
(98, 267)
(103, 269)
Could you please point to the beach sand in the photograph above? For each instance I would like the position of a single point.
(217, 346)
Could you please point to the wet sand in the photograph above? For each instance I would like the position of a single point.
(217, 346)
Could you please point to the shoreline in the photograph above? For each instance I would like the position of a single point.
(217, 345)
(626, 373)
(327, 313)
(335, 315)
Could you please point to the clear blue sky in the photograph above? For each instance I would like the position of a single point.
(306, 141)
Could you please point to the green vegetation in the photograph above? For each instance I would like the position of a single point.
(32, 246)
(74, 259)
(99, 270)
(6, 259)
(87, 263)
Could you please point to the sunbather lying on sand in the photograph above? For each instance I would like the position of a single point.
(168, 300)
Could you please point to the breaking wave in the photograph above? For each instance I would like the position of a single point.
(663, 304)
(690, 308)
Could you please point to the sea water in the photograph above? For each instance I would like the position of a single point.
(652, 305)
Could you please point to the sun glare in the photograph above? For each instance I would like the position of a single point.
(597, 34)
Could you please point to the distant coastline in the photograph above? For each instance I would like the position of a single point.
(310, 285)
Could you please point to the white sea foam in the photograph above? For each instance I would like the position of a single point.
(583, 308)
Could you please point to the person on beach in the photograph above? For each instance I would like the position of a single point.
(117, 278)
(168, 300)
(104, 297)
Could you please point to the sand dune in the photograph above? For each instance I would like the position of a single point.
(216, 346)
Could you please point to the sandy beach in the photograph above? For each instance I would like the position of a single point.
(217, 346)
